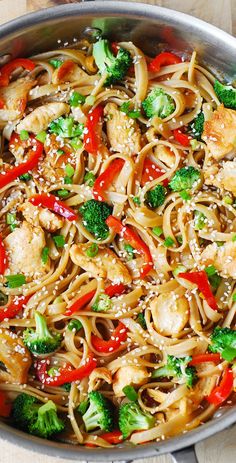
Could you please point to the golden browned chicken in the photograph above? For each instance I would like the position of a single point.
(219, 133)
(170, 313)
(38, 216)
(15, 97)
(222, 257)
(129, 376)
(40, 118)
(15, 357)
(123, 133)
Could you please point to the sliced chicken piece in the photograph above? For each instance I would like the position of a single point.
(97, 376)
(69, 72)
(170, 313)
(38, 216)
(15, 97)
(222, 257)
(219, 133)
(52, 168)
(15, 357)
(105, 264)
(129, 376)
(165, 155)
(24, 247)
(78, 114)
(123, 132)
(40, 118)
(226, 177)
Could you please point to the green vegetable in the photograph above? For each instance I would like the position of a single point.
(89, 178)
(168, 242)
(158, 103)
(179, 269)
(226, 94)
(76, 99)
(60, 152)
(130, 393)
(66, 127)
(99, 413)
(213, 276)
(199, 220)
(223, 340)
(133, 113)
(74, 325)
(234, 297)
(234, 238)
(90, 100)
(185, 195)
(59, 241)
(41, 136)
(69, 170)
(56, 63)
(66, 387)
(44, 255)
(92, 250)
(157, 231)
(94, 214)
(63, 193)
(136, 200)
(132, 418)
(177, 367)
(25, 177)
(196, 127)
(11, 220)
(41, 340)
(68, 180)
(40, 420)
(76, 143)
(102, 303)
(130, 250)
(228, 200)
(115, 66)
(185, 178)
(83, 407)
(156, 197)
(15, 281)
(179, 239)
(24, 135)
(141, 320)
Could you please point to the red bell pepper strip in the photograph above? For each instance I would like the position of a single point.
(151, 171)
(32, 161)
(202, 358)
(119, 335)
(5, 407)
(66, 374)
(222, 392)
(200, 279)
(112, 290)
(114, 437)
(65, 69)
(53, 204)
(182, 137)
(2, 104)
(11, 310)
(106, 178)
(7, 69)
(134, 240)
(115, 48)
(93, 130)
(163, 59)
(3, 258)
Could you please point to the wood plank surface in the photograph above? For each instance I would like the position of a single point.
(222, 13)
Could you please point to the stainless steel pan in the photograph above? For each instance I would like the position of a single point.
(151, 28)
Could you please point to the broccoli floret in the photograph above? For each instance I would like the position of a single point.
(47, 422)
(177, 367)
(41, 340)
(66, 127)
(132, 418)
(184, 178)
(196, 127)
(41, 420)
(223, 340)
(94, 214)
(226, 94)
(115, 66)
(102, 303)
(99, 413)
(158, 103)
(156, 197)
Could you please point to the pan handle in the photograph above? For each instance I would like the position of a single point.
(186, 455)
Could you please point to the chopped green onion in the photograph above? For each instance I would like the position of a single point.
(56, 63)
(179, 269)
(234, 297)
(44, 255)
(68, 180)
(90, 100)
(199, 220)
(60, 152)
(11, 220)
(213, 276)
(53, 371)
(24, 135)
(157, 231)
(66, 127)
(69, 170)
(89, 178)
(74, 325)
(82, 408)
(76, 99)
(234, 238)
(179, 239)
(63, 193)
(136, 200)
(227, 200)
(41, 136)
(168, 242)
(130, 393)
(92, 250)
(25, 177)
(76, 143)
(132, 113)
(102, 303)
(130, 250)
(210, 270)
(185, 195)
(15, 281)
(141, 320)
(194, 144)
(220, 243)
(59, 241)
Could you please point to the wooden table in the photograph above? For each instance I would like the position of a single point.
(222, 13)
